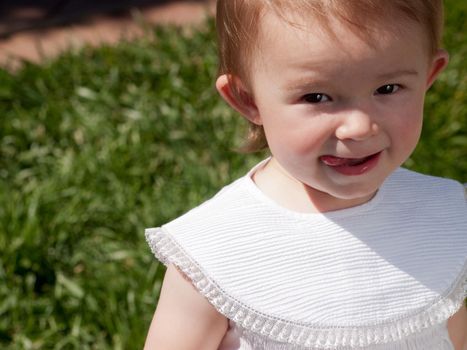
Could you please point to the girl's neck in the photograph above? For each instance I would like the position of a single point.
(287, 191)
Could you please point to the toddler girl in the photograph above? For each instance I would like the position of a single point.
(327, 244)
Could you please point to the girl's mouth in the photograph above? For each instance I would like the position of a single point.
(351, 166)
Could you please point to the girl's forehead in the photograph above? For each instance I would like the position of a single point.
(307, 29)
(335, 50)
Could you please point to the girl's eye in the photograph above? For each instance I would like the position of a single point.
(387, 89)
(316, 98)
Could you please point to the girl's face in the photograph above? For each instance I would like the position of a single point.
(339, 113)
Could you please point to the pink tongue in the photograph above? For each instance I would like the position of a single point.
(336, 161)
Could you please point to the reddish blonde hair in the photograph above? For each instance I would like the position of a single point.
(237, 23)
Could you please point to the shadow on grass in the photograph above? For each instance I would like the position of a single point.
(22, 15)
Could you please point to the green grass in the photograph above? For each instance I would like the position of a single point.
(99, 144)
(442, 150)
(95, 146)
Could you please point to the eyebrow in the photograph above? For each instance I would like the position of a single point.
(306, 82)
(303, 83)
(398, 73)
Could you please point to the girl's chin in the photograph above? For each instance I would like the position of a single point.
(343, 196)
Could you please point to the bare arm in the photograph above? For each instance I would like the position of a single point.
(457, 327)
(184, 319)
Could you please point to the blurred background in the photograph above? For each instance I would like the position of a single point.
(32, 29)
(22, 15)
(110, 123)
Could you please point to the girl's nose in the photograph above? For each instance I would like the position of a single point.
(356, 125)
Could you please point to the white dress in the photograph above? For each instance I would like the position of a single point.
(384, 275)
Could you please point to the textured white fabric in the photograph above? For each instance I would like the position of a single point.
(433, 338)
(384, 275)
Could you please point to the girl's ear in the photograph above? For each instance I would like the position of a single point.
(238, 97)
(439, 62)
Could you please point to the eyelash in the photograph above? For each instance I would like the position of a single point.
(393, 88)
(315, 98)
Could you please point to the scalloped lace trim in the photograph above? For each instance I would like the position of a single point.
(168, 251)
(435, 338)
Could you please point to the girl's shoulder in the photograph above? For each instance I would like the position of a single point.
(376, 273)
(414, 186)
